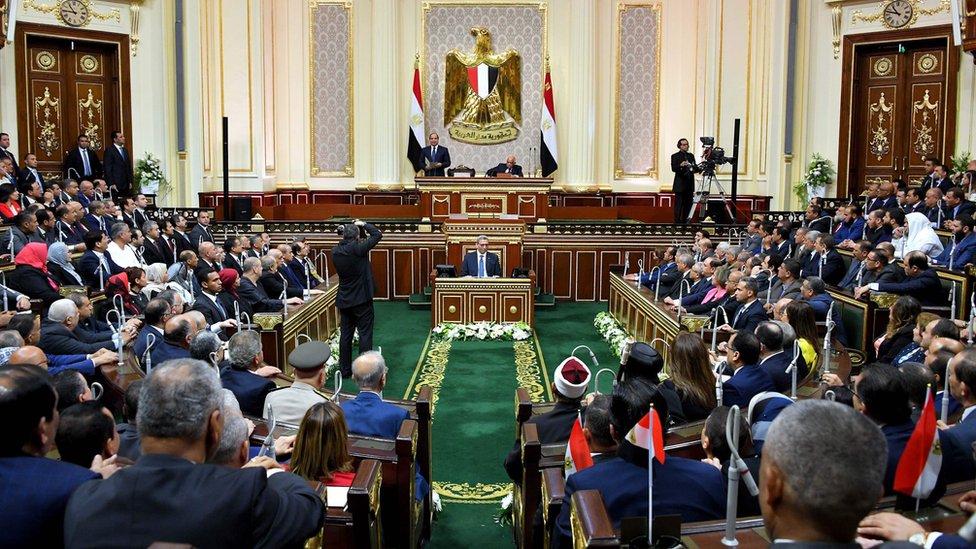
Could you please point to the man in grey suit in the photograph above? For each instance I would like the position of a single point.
(171, 494)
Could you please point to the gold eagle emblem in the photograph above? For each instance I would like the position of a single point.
(483, 92)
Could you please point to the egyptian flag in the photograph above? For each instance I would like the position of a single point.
(577, 451)
(647, 435)
(549, 157)
(920, 463)
(415, 135)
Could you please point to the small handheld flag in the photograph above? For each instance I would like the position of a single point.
(920, 463)
(577, 451)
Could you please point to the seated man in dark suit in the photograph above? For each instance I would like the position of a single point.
(481, 263)
(368, 415)
(434, 157)
(748, 378)
(750, 312)
(957, 440)
(570, 381)
(685, 487)
(58, 335)
(775, 360)
(179, 330)
(815, 220)
(849, 458)
(831, 267)
(181, 498)
(253, 291)
(86, 430)
(508, 167)
(35, 489)
(882, 395)
(922, 283)
(241, 377)
(956, 204)
(273, 281)
(207, 301)
(95, 265)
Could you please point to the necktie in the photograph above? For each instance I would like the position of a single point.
(84, 161)
(223, 313)
(508, 170)
(433, 154)
(481, 266)
(738, 314)
(122, 152)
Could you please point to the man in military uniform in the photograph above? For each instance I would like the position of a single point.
(290, 403)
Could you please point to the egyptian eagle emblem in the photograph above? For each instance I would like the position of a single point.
(483, 93)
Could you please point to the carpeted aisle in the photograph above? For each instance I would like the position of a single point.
(474, 409)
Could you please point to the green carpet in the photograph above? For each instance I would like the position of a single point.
(474, 404)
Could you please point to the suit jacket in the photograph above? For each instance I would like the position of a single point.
(821, 305)
(442, 155)
(19, 237)
(469, 265)
(936, 217)
(204, 266)
(850, 278)
(62, 276)
(13, 158)
(783, 249)
(228, 300)
(957, 448)
(27, 177)
(34, 496)
(118, 169)
(368, 415)
(775, 366)
(748, 318)
(351, 259)
(58, 340)
(746, 383)
(553, 426)
(516, 170)
(925, 287)
(962, 253)
(74, 160)
(165, 350)
(834, 268)
(129, 220)
(877, 236)
(682, 486)
(879, 203)
(200, 232)
(94, 223)
(684, 177)
(143, 340)
(156, 252)
(231, 262)
(821, 224)
(183, 243)
(964, 207)
(888, 274)
(168, 498)
(273, 284)
(249, 388)
(257, 298)
(294, 279)
(89, 267)
(892, 346)
(210, 310)
(698, 292)
(34, 283)
(678, 287)
(854, 231)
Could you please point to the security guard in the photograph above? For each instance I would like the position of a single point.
(291, 403)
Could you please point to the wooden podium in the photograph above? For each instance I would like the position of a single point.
(468, 300)
(522, 198)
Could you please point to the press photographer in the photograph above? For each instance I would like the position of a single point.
(356, 288)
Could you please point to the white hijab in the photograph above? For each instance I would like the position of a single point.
(920, 237)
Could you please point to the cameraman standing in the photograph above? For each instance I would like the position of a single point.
(684, 168)
(356, 289)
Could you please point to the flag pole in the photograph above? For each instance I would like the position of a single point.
(650, 479)
(945, 393)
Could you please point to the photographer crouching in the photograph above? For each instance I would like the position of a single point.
(356, 288)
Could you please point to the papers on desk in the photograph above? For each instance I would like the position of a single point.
(463, 174)
(335, 496)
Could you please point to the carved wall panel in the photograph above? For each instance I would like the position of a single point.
(330, 42)
(638, 90)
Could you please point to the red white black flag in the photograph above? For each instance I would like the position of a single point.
(415, 135)
(549, 157)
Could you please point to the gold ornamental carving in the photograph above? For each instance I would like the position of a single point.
(452, 309)
(883, 67)
(884, 300)
(89, 64)
(267, 321)
(483, 93)
(859, 16)
(879, 145)
(482, 309)
(55, 8)
(89, 108)
(925, 118)
(928, 63)
(512, 309)
(45, 60)
(47, 114)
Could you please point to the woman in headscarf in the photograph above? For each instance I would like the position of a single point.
(60, 268)
(157, 280)
(9, 201)
(231, 281)
(30, 276)
(920, 237)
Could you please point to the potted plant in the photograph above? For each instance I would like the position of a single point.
(149, 178)
(818, 175)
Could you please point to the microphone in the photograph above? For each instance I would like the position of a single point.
(77, 175)
(147, 355)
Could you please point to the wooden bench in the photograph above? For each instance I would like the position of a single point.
(358, 524)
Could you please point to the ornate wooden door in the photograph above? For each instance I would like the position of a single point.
(899, 117)
(71, 88)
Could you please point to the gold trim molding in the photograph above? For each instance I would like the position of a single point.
(112, 13)
(652, 171)
(348, 170)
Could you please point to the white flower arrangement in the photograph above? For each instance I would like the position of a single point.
(818, 175)
(482, 331)
(333, 362)
(504, 514)
(149, 173)
(611, 330)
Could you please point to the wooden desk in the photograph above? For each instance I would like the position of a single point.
(318, 318)
(478, 197)
(469, 300)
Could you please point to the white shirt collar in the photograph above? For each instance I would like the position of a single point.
(770, 356)
(966, 412)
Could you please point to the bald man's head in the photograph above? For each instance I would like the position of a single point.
(945, 344)
(29, 354)
(197, 318)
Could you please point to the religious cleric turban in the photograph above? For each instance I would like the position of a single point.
(572, 378)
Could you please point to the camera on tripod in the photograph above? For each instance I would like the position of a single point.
(712, 156)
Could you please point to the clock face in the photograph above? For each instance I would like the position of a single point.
(74, 12)
(898, 13)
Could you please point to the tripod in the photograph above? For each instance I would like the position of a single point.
(701, 195)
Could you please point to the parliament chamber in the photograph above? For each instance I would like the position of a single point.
(273, 271)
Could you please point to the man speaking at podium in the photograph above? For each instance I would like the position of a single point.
(481, 263)
(509, 167)
(434, 157)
